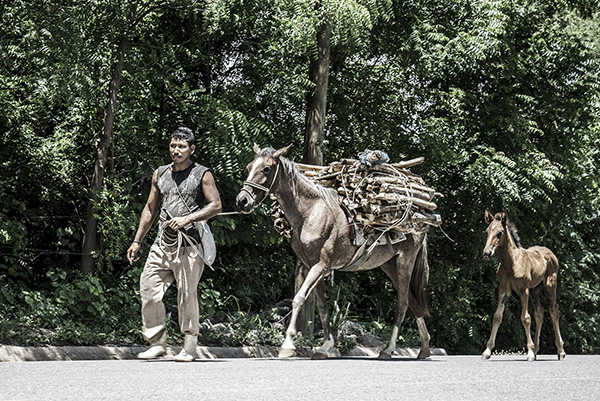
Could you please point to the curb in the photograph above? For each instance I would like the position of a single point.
(9, 353)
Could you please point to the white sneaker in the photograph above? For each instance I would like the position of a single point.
(153, 352)
(183, 356)
(188, 352)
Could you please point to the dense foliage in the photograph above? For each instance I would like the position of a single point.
(501, 97)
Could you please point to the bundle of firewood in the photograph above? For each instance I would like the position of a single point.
(378, 197)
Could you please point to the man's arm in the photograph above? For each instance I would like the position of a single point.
(211, 209)
(148, 215)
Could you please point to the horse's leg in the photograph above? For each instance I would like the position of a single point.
(316, 273)
(424, 352)
(419, 312)
(417, 300)
(554, 314)
(539, 317)
(328, 341)
(503, 296)
(401, 307)
(401, 280)
(526, 321)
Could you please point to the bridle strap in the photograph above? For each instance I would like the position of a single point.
(266, 190)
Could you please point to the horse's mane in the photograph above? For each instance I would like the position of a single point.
(329, 195)
(511, 229)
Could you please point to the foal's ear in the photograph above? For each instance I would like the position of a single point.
(256, 148)
(504, 217)
(488, 216)
(281, 151)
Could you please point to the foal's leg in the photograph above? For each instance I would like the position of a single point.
(539, 317)
(551, 287)
(328, 341)
(503, 296)
(316, 273)
(526, 320)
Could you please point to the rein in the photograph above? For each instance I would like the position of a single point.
(266, 190)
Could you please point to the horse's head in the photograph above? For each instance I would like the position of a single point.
(497, 227)
(262, 174)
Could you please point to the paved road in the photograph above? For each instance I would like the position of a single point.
(439, 378)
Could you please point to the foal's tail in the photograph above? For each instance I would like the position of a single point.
(419, 281)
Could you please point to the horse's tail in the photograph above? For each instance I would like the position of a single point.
(419, 281)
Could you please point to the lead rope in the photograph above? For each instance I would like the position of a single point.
(169, 239)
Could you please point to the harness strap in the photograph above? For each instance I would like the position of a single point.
(359, 257)
(266, 190)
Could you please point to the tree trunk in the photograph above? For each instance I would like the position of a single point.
(91, 222)
(313, 149)
(317, 100)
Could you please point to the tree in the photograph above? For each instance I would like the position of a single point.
(137, 12)
(500, 97)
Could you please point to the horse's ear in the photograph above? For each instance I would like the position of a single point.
(504, 217)
(488, 216)
(281, 151)
(256, 148)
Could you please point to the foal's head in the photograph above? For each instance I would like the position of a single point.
(262, 173)
(498, 232)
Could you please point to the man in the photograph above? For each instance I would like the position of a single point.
(185, 192)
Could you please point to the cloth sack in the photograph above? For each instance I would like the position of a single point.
(209, 248)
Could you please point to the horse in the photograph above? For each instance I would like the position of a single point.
(523, 271)
(321, 240)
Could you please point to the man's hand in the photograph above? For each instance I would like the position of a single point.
(177, 223)
(132, 252)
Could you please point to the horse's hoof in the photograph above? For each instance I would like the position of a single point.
(319, 356)
(424, 354)
(286, 353)
(561, 356)
(530, 358)
(385, 356)
(485, 356)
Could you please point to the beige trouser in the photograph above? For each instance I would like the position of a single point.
(159, 272)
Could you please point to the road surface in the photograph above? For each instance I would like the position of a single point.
(359, 378)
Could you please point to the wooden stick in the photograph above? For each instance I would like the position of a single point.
(407, 191)
(426, 218)
(416, 201)
(310, 167)
(409, 163)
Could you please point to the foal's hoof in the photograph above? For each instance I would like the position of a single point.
(319, 356)
(424, 353)
(286, 352)
(385, 356)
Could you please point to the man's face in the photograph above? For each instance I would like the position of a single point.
(180, 151)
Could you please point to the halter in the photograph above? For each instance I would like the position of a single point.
(266, 190)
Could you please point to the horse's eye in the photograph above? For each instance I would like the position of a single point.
(267, 170)
(499, 234)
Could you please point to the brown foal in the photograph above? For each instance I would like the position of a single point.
(522, 270)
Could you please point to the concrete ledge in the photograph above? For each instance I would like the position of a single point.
(14, 354)
(10, 353)
(410, 352)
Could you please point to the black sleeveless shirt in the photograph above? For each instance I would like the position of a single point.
(189, 183)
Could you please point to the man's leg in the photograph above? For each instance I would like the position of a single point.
(187, 275)
(154, 281)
